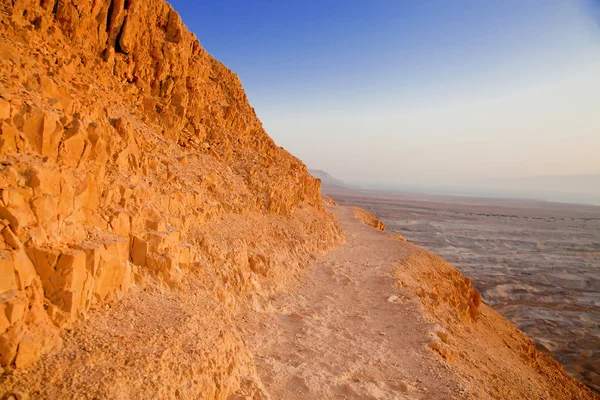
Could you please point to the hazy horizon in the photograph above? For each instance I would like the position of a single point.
(430, 94)
(554, 196)
(577, 189)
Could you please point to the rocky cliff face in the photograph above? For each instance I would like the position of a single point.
(128, 153)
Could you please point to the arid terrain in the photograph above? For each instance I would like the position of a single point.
(536, 263)
(155, 243)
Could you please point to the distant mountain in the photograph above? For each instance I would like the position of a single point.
(328, 180)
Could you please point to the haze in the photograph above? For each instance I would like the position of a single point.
(419, 94)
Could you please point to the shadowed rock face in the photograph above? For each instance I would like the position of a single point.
(128, 152)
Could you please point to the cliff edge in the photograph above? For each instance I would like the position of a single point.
(381, 318)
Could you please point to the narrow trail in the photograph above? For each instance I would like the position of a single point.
(339, 335)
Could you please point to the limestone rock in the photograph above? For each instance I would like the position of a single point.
(8, 280)
(139, 251)
(9, 343)
(28, 352)
(393, 299)
(43, 131)
(368, 218)
(4, 109)
(15, 307)
(127, 151)
(259, 264)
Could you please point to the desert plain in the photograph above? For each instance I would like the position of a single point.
(536, 263)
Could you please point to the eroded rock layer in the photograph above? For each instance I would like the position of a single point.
(128, 153)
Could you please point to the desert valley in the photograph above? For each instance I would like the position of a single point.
(537, 263)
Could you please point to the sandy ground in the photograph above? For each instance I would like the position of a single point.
(341, 335)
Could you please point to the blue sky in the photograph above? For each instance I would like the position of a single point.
(417, 92)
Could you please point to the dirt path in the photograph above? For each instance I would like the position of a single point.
(339, 335)
(352, 328)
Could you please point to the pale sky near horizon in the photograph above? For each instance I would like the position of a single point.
(418, 92)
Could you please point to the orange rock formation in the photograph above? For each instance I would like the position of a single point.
(368, 219)
(125, 151)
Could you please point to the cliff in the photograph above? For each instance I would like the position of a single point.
(146, 217)
(131, 158)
